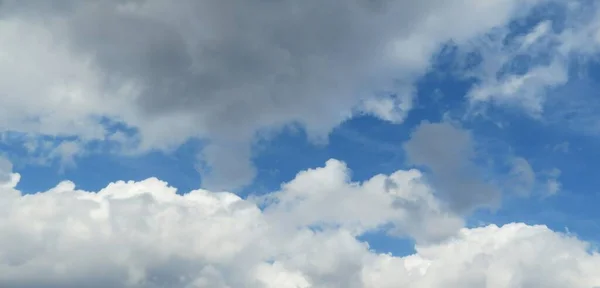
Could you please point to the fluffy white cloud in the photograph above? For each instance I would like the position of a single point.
(144, 234)
(514, 255)
(325, 198)
(221, 71)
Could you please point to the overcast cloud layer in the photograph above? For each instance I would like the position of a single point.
(220, 70)
(143, 234)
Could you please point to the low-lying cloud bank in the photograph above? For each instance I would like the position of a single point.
(144, 234)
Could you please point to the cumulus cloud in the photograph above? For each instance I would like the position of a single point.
(324, 198)
(221, 71)
(514, 255)
(145, 234)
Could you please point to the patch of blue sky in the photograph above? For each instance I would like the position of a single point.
(37, 160)
(93, 171)
(381, 242)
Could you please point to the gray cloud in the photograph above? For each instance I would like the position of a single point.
(449, 153)
(239, 65)
(522, 176)
(6, 168)
(223, 70)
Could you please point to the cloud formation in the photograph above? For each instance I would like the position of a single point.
(144, 234)
(466, 176)
(449, 153)
(153, 74)
(221, 71)
(525, 66)
(6, 168)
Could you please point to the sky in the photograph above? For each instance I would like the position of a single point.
(254, 143)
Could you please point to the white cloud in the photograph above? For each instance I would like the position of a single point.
(220, 71)
(553, 185)
(514, 255)
(324, 197)
(527, 90)
(563, 147)
(143, 234)
(526, 71)
(501, 84)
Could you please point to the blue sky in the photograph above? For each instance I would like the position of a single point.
(495, 109)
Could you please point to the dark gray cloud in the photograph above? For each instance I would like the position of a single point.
(449, 153)
(239, 65)
(223, 70)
